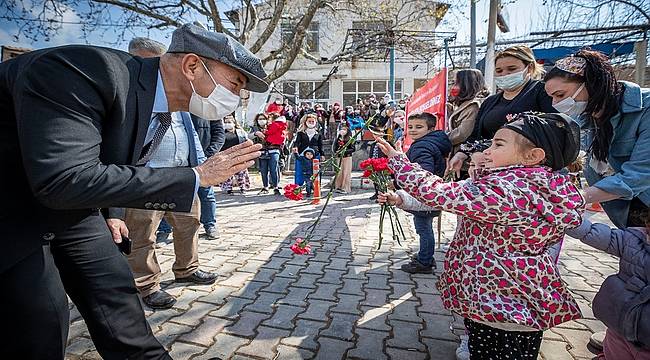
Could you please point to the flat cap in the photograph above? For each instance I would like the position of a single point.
(194, 39)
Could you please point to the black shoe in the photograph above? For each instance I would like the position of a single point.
(263, 191)
(415, 257)
(415, 267)
(159, 300)
(276, 191)
(199, 277)
(241, 191)
(229, 192)
(374, 197)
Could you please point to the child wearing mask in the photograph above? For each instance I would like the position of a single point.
(269, 159)
(307, 136)
(307, 159)
(235, 135)
(398, 125)
(343, 181)
(429, 150)
(498, 273)
(623, 301)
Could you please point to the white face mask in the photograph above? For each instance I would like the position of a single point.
(399, 121)
(511, 81)
(311, 125)
(261, 122)
(570, 106)
(217, 105)
(342, 132)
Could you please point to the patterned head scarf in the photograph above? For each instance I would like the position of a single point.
(572, 64)
(557, 134)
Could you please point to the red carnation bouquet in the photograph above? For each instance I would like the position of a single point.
(378, 172)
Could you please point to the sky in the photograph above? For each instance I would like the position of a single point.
(522, 17)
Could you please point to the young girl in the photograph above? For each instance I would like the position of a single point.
(623, 301)
(498, 273)
(343, 182)
(235, 135)
(307, 136)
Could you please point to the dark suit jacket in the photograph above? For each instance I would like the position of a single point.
(211, 135)
(73, 124)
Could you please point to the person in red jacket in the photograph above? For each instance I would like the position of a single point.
(275, 107)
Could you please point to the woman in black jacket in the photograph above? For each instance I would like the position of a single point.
(307, 136)
(516, 71)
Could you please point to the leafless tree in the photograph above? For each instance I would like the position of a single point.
(253, 23)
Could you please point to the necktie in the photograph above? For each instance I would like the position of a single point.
(165, 120)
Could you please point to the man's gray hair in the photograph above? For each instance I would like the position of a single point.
(146, 44)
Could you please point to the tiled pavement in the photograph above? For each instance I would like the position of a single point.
(346, 300)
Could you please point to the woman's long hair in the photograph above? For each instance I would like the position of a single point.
(471, 84)
(604, 96)
(257, 117)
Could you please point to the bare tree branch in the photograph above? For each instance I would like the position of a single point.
(270, 27)
(140, 10)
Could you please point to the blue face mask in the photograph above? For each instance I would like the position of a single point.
(511, 81)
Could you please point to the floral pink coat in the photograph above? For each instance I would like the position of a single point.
(497, 268)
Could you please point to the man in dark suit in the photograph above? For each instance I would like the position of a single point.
(73, 131)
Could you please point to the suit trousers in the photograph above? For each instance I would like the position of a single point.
(142, 226)
(84, 262)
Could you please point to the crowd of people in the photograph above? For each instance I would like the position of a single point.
(509, 154)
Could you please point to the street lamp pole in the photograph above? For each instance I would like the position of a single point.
(489, 56)
(472, 38)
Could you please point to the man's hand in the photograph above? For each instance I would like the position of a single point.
(389, 198)
(455, 164)
(223, 165)
(386, 147)
(118, 229)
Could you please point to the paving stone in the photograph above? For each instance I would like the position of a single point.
(555, 350)
(265, 275)
(264, 343)
(224, 347)
(296, 297)
(169, 331)
(431, 303)
(307, 281)
(401, 277)
(348, 304)
(337, 263)
(279, 285)
(247, 324)
(401, 291)
(324, 292)
(290, 271)
(334, 349)
(405, 335)
(232, 308)
(236, 279)
(438, 327)
(218, 295)
(332, 277)
(340, 326)
(77, 328)
(441, 348)
(314, 268)
(577, 339)
(204, 334)
(276, 263)
(317, 310)
(394, 353)
(250, 290)
(283, 317)
(405, 311)
(292, 353)
(377, 281)
(374, 318)
(352, 287)
(79, 346)
(370, 345)
(194, 315)
(425, 283)
(264, 303)
(304, 334)
(375, 297)
(181, 350)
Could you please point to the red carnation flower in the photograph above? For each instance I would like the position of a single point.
(301, 247)
(293, 192)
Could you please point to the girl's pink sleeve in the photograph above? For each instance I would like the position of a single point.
(487, 200)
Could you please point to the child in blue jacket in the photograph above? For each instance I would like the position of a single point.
(430, 149)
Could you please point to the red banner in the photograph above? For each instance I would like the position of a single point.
(431, 98)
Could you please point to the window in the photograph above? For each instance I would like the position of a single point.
(314, 91)
(361, 89)
(312, 38)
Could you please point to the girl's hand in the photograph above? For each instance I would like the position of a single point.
(386, 147)
(389, 198)
(260, 135)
